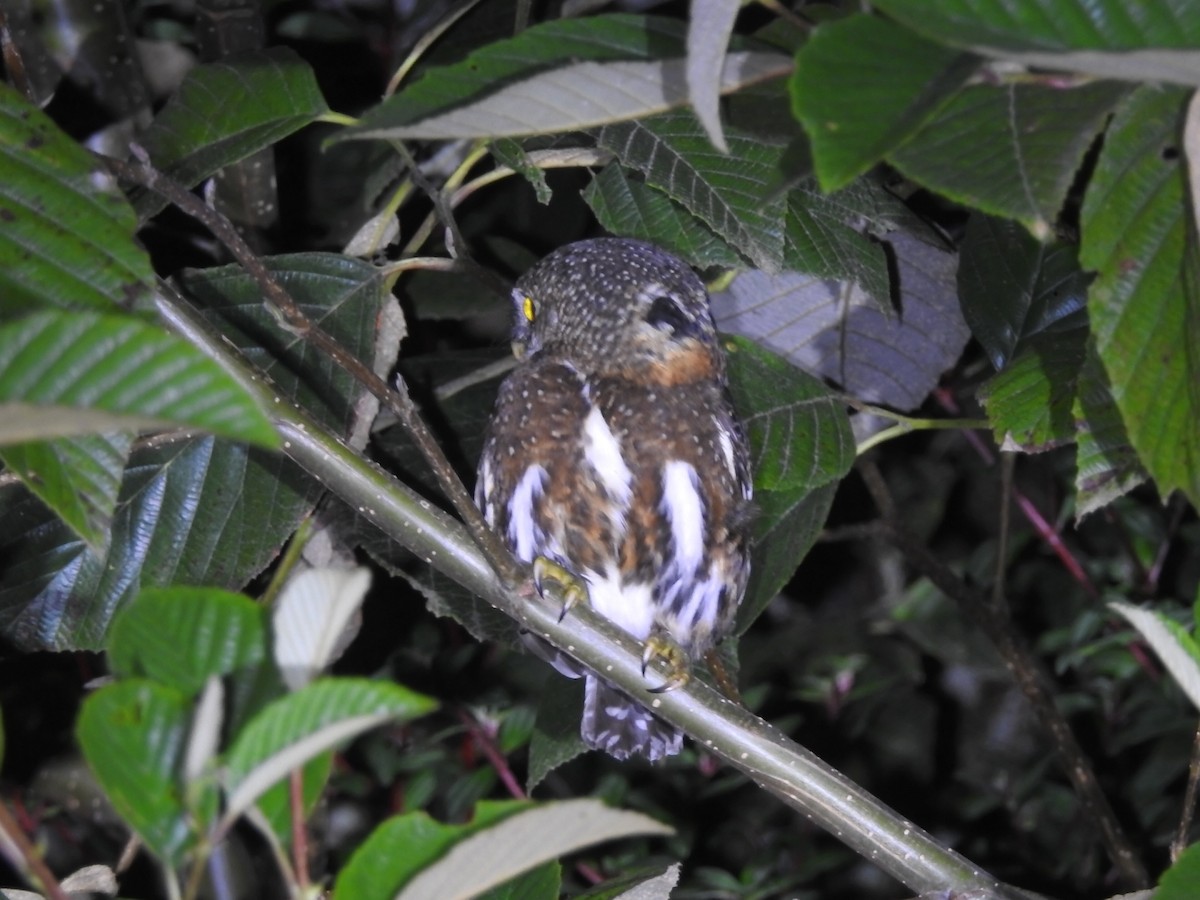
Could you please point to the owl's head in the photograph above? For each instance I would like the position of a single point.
(610, 303)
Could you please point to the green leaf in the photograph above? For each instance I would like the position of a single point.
(631, 208)
(1013, 287)
(78, 478)
(536, 49)
(295, 728)
(578, 96)
(555, 741)
(194, 510)
(199, 131)
(1106, 464)
(427, 859)
(1144, 307)
(509, 153)
(863, 85)
(1052, 24)
(786, 525)
(541, 883)
(1030, 402)
(69, 373)
(180, 636)
(65, 242)
(1011, 150)
(1176, 648)
(1179, 882)
(403, 845)
(132, 735)
(738, 195)
(799, 432)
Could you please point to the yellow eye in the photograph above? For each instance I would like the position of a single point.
(527, 309)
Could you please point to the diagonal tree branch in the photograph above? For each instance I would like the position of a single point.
(743, 740)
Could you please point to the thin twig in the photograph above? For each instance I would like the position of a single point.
(1030, 677)
(299, 830)
(290, 316)
(25, 858)
(499, 764)
(1189, 801)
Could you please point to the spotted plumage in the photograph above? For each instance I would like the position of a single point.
(614, 453)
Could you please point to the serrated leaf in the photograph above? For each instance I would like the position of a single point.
(65, 241)
(827, 235)
(132, 735)
(78, 478)
(311, 617)
(1144, 306)
(491, 856)
(182, 636)
(1052, 24)
(403, 845)
(1106, 465)
(786, 525)
(1175, 647)
(294, 729)
(199, 131)
(631, 208)
(710, 24)
(510, 153)
(54, 364)
(1010, 150)
(833, 329)
(739, 196)
(555, 740)
(863, 85)
(798, 430)
(1013, 287)
(1030, 402)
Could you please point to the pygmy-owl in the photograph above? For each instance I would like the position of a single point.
(614, 454)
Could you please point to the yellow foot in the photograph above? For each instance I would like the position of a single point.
(679, 667)
(572, 588)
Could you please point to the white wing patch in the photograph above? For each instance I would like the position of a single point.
(524, 535)
(603, 452)
(684, 509)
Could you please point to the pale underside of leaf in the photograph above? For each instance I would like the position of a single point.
(582, 95)
(1174, 646)
(293, 756)
(21, 422)
(311, 619)
(1158, 64)
(523, 841)
(834, 329)
(657, 888)
(709, 27)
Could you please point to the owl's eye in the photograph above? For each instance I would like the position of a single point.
(666, 314)
(527, 309)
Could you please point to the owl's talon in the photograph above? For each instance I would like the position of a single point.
(572, 588)
(664, 647)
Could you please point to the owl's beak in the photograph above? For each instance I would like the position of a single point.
(519, 349)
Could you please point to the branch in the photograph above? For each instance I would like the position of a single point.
(990, 615)
(730, 732)
(290, 316)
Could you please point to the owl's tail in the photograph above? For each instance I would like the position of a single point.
(620, 726)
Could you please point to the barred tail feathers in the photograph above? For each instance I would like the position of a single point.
(622, 727)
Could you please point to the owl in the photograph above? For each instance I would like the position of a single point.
(614, 456)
